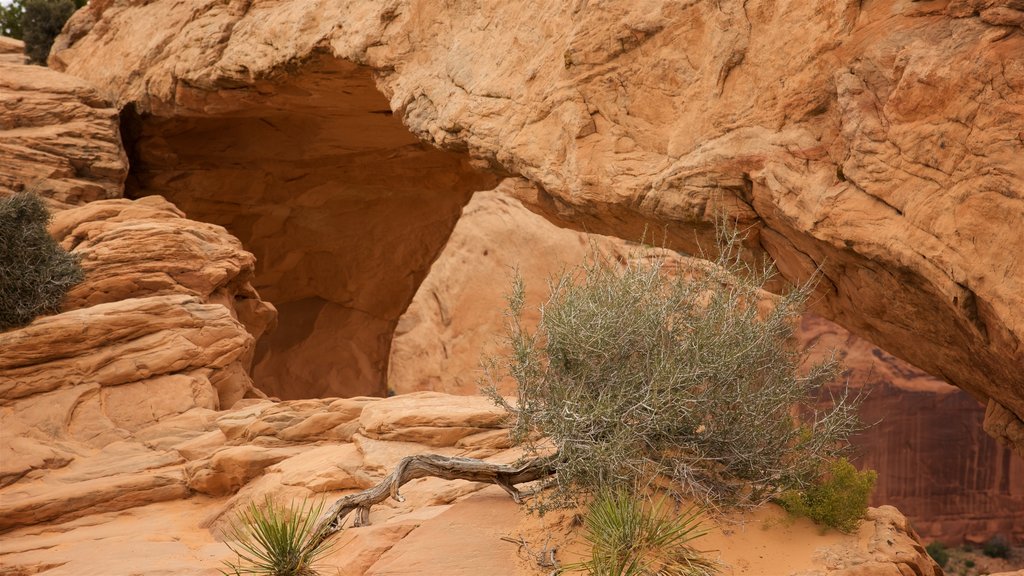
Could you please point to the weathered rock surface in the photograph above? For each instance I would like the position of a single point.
(163, 325)
(456, 319)
(886, 148)
(342, 206)
(58, 137)
(169, 503)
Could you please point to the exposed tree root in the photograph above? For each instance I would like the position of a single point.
(421, 466)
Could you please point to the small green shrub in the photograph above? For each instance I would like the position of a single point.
(35, 273)
(629, 539)
(634, 375)
(996, 547)
(938, 552)
(838, 500)
(277, 541)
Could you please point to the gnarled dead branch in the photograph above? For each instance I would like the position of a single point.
(421, 466)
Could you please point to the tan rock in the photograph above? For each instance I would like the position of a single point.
(430, 418)
(344, 218)
(131, 341)
(455, 320)
(147, 248)
(12, 51)
(232, 467)
(128, 496)
(58, 137)
(42, 502)
(885, 148)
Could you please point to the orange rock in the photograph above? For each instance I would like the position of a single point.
(58, 137)
(883, 149)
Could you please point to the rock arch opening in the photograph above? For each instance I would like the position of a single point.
(343, 207)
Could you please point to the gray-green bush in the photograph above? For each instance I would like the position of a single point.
(636, 376)
(35, 273)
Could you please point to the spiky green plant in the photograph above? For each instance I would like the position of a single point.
(629, 538)
(275, 540)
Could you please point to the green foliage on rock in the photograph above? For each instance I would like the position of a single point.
(10, 19)
(35, 273)
(838, 499)
(635, 375)
(996, 547)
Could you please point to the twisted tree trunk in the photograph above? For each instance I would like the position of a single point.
(449, 468)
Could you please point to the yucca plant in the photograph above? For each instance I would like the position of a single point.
(628, 538)
(275, 540)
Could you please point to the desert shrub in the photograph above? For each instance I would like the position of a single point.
(275, 540)
(41, 22)
(636, 375)
(838, 499)
(938, 552)
(628, 538)
(996, 547)
(35, 273)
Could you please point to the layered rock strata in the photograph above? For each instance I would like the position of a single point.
(169, 491)
(342, 206)
(885, 148)
(58, 137)
(164, 322)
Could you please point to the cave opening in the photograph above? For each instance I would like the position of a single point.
(343, 207)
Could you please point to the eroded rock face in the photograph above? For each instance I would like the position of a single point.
(456, 319)
(884, 148)
(58, 137)
(342, 206)
(164, 323)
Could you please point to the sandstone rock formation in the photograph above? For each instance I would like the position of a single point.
(455, 319)
(885, 147)
(168, 491)
(164, 323)
(342, 206)
(57, 136)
